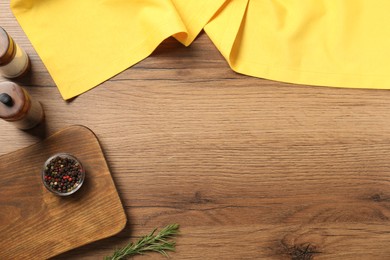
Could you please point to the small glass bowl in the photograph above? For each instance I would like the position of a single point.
(57, 173)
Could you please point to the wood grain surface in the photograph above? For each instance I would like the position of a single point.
(250, 168)
(36, 224)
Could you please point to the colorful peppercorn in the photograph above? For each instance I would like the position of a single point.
(63, 174)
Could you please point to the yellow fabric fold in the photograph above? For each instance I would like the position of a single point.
(224, 27)
(340, 43)
(83, 43)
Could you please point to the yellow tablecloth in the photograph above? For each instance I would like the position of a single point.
(341, 43)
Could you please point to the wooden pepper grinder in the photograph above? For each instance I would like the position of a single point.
(14, 61)
(17, 107)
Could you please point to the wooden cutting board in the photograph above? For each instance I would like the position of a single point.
(36, 224)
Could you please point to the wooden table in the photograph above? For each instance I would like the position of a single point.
(250, 168)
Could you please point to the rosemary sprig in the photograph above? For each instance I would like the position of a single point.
(149, 243)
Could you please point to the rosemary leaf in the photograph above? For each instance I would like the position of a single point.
(159, 243)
